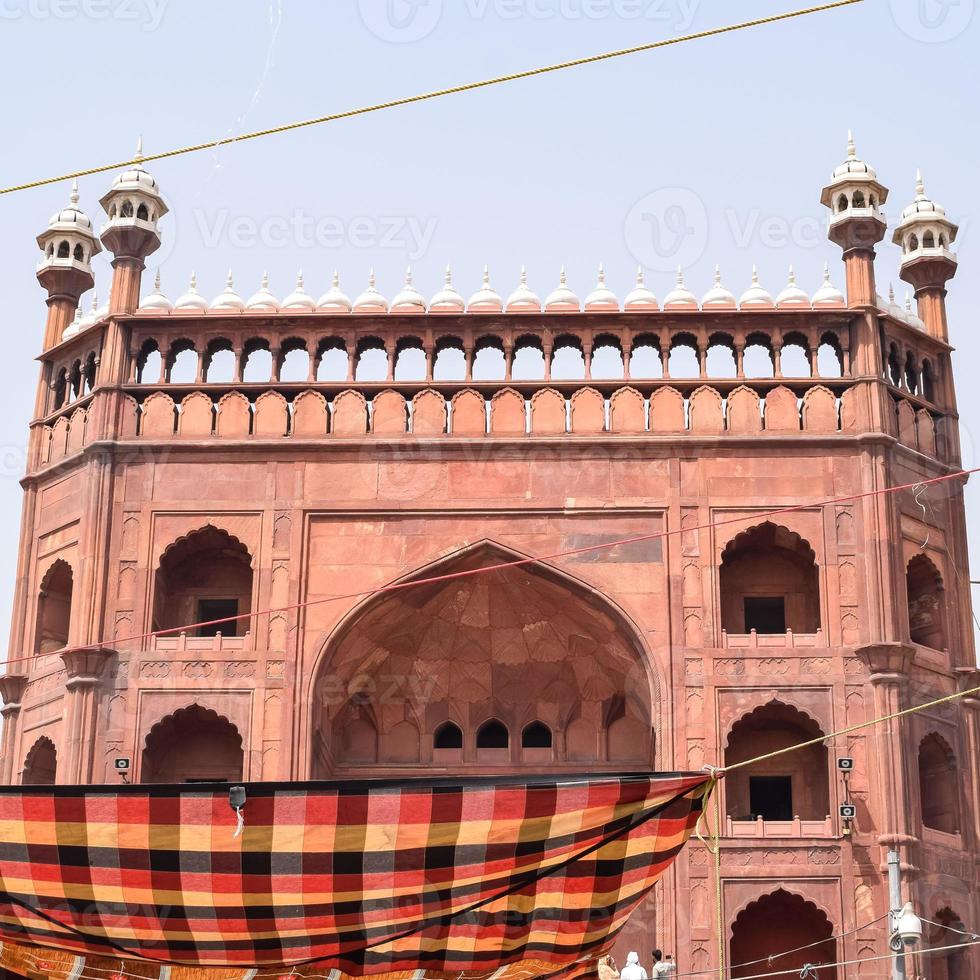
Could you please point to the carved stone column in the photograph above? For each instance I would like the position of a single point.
(12, 688)
(87, 670)
(969, 679)
(889, 665)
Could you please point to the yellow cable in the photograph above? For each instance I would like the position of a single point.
(425, 96)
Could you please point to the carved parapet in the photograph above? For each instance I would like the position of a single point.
(86, 667)
(887, 661)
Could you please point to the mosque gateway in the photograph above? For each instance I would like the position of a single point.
(205, 475)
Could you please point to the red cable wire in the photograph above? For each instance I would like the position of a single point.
(449, 576)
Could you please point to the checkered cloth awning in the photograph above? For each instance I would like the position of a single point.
(474, 878)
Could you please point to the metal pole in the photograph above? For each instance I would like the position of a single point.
(895, 900)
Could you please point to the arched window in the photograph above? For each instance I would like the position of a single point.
(448, 736)
(142, 213)
(792, 785)
(64, 250)
(927, 603)
(127, 209)
(41, 764)
(202, 578)
(842, 203)
(537, 735)
(765, 932)
(928, 240)
(858, 199)
(193, 745)
(769, 583)
(938, 782)
(54, 609)
(492, 734)
(79, 253)
(182, 362)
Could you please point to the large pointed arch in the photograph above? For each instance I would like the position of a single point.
(499, 634)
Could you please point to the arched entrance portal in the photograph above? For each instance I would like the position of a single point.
(515, 669)
(774, 924)
(192, 745)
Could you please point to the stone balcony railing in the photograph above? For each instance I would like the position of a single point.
(754, 640)
(747, 829)
(181, 643)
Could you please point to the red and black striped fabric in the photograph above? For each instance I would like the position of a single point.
(471, 878)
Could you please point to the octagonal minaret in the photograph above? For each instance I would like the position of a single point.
(854, 197)
(65, 271)
(134, 207)
(925, 234)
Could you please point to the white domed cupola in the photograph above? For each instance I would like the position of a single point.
(192, 301)
(854, 197)
(156, 302)
(228, 301)
(640, 299)
(828, 296)
(299, 300)
(718, 297)
(925, 231)
(486, 299)
(756, 297)
(371, 300)
(334, 300)
(792, 297)
(134, 207)
(523, 299)
(408, 299)
(69, 242)
(561, 298)
(680, 297)
(602, 299)
(448, 299)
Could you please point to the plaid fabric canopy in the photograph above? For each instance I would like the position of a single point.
(434, 878)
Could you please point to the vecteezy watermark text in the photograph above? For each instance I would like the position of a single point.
(405, 21)
(410, 234)
(147, 13)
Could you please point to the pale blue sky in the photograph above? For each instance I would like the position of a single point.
(741, 131)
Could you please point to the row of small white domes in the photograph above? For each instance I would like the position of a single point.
(906, 315)
(487, 300)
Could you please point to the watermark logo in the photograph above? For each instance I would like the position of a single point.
(667, 228)
(147, 13)
(932, 21)
(401, 21)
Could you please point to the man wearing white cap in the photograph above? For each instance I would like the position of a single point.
(633, 970)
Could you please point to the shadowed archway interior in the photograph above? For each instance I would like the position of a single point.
(492, 654)
(777, 922)
(193, 745)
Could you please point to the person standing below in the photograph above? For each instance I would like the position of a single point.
(662, 967)
(633, 970)
(607, 969)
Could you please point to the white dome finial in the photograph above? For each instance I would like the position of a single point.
(156, 281)
(755, 295)
(265, 279)
(826, 273)
(718, 297)
(640, 278)
(562, 298)
(485, 299)
(229, 299)
(409, 300)
(229, 281)
(299, 299)
(640, 299)
(602, 298)
(523, 299)
(792, 296)
(334, 300)
(336, 279)
(73, 196)
(449, 275)
(920, 187)
(138, 156)
(851, 151)
(192, 301)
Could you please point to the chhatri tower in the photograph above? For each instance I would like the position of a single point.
(205, 478)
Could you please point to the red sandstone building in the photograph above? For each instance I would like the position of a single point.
(194, 461)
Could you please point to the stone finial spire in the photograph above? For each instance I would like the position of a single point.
(408, 299)
(485, 299)
(447, 299)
